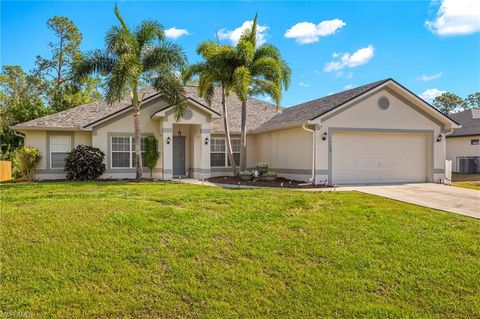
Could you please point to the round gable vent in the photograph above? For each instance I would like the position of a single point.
(383, 102)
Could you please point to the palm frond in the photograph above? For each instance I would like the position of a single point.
(250, 34)
(267, 50)
(242, 80)
(270, 88)
(123, 77)
(119, 17)
(93, 62)
(192, 71)
(170, 87)
(149, 31)
(119, 40)
(166, 54)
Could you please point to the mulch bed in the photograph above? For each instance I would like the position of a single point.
(279, 183)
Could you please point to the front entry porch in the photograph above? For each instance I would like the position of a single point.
(185, 147)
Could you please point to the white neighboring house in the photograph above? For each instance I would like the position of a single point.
(463, 145)
(376, 133)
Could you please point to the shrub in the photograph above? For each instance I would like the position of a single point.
(84, 163)
(270, 174)
(262, 168)
(151, 153)
(26, 160)
(246, 173)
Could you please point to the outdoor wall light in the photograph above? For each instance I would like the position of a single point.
(324, 137)
(206, 140)
(179, 133)
(168, 140)
(439, 138)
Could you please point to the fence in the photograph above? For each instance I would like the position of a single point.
(5, 171)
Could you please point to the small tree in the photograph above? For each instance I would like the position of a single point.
(151, 153)
(26, 160)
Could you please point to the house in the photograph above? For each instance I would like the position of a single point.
(376, 133)
(463, 145)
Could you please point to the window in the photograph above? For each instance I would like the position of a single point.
(475, 142)
(218, 153)
(123, 151)
(60, 146)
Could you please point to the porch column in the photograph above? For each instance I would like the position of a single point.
(205, 150)
(167, 156)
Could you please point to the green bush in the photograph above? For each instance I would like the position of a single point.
(151, 153)
(84, 163)
(26, 160)
(261, 168)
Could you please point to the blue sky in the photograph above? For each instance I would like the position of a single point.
(429, 47)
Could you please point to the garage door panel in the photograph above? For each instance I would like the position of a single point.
(379, 157)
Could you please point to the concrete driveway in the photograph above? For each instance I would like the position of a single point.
(448, 198)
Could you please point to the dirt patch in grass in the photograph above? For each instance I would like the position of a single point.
(280, 182)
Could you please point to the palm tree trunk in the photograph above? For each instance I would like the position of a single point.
(243, 138)
(138, 133)
(227, 133)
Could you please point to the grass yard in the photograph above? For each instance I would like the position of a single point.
(471, 181)
(163, 250)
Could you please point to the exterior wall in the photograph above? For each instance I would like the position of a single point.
(288, 152)
(251, 156)
(40, 140)
(461, 146)
(123, 126)
(365, 115)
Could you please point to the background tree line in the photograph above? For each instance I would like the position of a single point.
(450, 103)
(48, 88)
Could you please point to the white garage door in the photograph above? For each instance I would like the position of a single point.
(379, 158)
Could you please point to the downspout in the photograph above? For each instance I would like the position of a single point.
(19, 134)
(314, 139)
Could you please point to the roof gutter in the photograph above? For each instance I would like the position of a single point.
(314, 140)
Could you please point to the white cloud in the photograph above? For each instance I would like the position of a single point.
(234, 35)
(359, 57)
(174, 33)
(302, 84)
(307, 32)
(456, 17)
(348, 87)
(430, 94)
(427, 78)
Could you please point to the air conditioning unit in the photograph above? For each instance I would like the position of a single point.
(469, 164)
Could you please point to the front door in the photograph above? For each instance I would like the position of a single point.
(179, 156)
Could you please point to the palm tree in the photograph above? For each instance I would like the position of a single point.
(259, 70)
(129, 57)
(215, 71)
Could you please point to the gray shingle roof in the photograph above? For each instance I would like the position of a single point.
(304, 112)
(78, 117)
(470, 122)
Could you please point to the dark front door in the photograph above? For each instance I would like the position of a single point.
(179, 156)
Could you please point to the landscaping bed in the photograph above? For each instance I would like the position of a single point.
(280, 182)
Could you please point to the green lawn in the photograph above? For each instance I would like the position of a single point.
(128, 250)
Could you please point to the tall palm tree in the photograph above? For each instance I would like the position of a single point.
(259, 70)
(216, 70)
(130, 56)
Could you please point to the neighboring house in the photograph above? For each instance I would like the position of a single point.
(376, 133)
(463, 145)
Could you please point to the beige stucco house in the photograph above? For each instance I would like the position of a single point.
(463, 145)
(376, 133)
